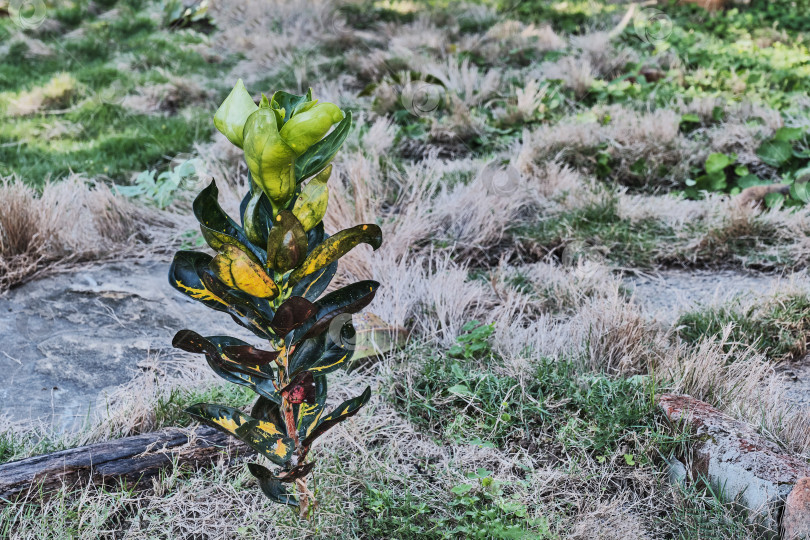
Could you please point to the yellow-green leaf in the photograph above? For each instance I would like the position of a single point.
(307, 127)
(235, 269)
(271, 160)
(231, 116)
(335, 247)
(310, 207)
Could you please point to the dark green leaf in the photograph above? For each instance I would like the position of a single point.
(345, 410)
(307, 414)
(184, 275)
(269, 411)
(271, 486)
(311, 286)
(257, 217)
(321, 153)
(325, 353)
(288, 102)
(217, 227)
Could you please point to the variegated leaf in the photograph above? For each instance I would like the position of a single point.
(235, 269)
(345, 410)
(261, 435)
(334, 247)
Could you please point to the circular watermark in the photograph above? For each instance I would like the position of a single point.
(27, 14)
(652, 25)
(499, 179)
(421, 98)
(342, 333)
(337, 22)
(113, 94)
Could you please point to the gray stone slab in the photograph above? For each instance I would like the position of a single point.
(68, 337)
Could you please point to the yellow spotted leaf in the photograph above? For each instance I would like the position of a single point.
(236, 269)
(335, 247)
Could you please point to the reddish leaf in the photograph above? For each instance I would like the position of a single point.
(301, 389)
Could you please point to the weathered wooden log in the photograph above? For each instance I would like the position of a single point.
(130, 460)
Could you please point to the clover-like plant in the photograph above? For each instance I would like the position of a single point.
(269, 274)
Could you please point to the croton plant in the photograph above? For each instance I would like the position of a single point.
(269, 274)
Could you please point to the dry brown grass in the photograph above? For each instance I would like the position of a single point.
(70, 221)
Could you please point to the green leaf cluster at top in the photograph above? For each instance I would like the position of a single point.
(282, 137)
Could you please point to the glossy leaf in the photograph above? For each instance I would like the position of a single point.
(333, 248)
(271, 486)
(213, 347)
(325, 353)
(235, 268)
(308, 127)
(349, 299)
(269, 411)
(270, 159)
(184, 276)
(257, 217)
(247, 354)
(311, 286)
(217, 227)
(286, 243)
(300, 390)
(190, 341)
(322, 152)
(292, 314)
(231, 116)
(310, 206)
(261, 435)
(290, 102)
(345, 410)
(307, 414)
(242, 310)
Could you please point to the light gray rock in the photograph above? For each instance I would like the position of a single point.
(665, 295)
(68, 337)
(730, 454)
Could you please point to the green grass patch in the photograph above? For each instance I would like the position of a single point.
(778, 328)
(480, 507)
(460, 397)
(597, 228)
(84, 129)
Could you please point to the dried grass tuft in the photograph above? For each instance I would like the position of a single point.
(70, 221)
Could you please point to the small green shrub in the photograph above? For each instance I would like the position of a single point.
(269, 274)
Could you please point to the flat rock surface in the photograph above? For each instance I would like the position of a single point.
(70, 336)
(665, 295)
